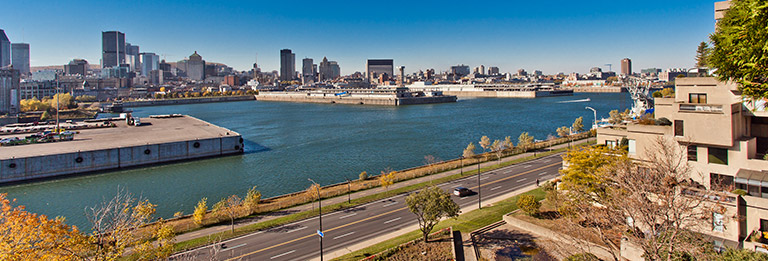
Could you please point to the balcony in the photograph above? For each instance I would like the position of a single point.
(703, 108)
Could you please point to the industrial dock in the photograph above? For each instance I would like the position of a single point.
(155, 140)
(378, 96)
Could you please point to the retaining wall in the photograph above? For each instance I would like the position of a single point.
(187, 101)
(383, 100)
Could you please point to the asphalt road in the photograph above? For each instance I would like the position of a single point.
(299, 240)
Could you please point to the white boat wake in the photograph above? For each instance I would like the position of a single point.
(581, 100)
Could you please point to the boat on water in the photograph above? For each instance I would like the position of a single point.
(580, 100)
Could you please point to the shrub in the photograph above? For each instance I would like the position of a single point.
(657, 94)
(528, 204)
(739, 192)
(363, 175)
(200, 209)
(663, 122)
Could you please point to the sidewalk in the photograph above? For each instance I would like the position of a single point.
(343, 198)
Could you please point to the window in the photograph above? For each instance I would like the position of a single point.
(632, 150)
(720, 182)
(763, 225)
(718, 156)
(611, 143)
(717, 222)
(679, 128)
(692, 153)
(697, 98)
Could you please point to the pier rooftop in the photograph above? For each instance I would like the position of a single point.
(151, 131)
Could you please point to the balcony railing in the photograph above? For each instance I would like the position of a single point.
(701, 108)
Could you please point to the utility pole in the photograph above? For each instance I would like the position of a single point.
(320, 210)
(349, 192)
(479, 206)
(594, 124)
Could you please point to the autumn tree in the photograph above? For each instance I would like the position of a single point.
(160, 246)
(230, 208)
(528, 204)
(525, 141)
(252, 199)
(485, 143)
(469, 151)
(387, 179)
(113, 224)
(739, 52)
(430, 205)
(29, 236)
(563, 131)
(64, 100)
(578, 124)
(200, 209)
(363, 176)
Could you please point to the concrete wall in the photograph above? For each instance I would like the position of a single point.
(366, 100)
(187, 101)
(20, 169)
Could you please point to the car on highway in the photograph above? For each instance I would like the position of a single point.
(462, 191)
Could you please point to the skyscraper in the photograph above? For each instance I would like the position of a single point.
(5, 50)
(20, 54)
(376, 67)
(307, 71)
(132, 57)
(76, 67)
(626, 66)
(287, 65)
(9, 91)
(149, 63)
(195, 67)
(112, 49)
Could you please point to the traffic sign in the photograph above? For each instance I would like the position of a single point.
(320, 233)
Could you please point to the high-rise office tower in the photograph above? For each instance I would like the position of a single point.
(20, 57)
(375, 67)
(626, 66)
(149, 63)
(112, 49)
(9, 91)
(307, 71)
(195, 67)
(287, 65)
(5, 49)
(132, 57)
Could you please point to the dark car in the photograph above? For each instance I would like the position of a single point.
(462, 191)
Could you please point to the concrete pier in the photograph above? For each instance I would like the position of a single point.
(157, 140)
(385, 98)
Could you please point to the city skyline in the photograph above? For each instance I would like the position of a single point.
(566, 37)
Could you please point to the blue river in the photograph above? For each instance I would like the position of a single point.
(286, 143)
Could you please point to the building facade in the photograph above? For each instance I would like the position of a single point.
(132, 57)
(626, 66)
(112, 49)
(376, 67)
(149, 62)
(76, 67)
(460, 70)
(5, 49)
(287, 65)
(307, 71)
(20, 57)
(9, 91)
(195, 67)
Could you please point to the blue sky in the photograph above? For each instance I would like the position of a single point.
(552, 36)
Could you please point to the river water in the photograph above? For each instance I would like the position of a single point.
(286, 143)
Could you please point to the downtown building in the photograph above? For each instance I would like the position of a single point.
(112, 49)
(9, 91)
(626, 66)
(724, 139)
(20, 57)
(375, 68)
(5, 49)
(287, 65)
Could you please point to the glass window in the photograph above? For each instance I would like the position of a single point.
(611, 143)
(718, 156)
(717, 222)
(632, 150)
(692, 153)
(697, 98)
(763, 225)
(720, 182)
(679, 128)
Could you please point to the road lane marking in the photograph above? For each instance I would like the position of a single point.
(392, 220)
(527, 166)
(347, 234)
(390, 204)
(286, 253)
(346, 216)
(547, 160)
(543, 173)
(230, 248)
(484, 178)
(377, 216)
(495, 188)
(294, 230)
(519, 180)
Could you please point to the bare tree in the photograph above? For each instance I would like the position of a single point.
(430, 161)
(113, 223)
(229, 207)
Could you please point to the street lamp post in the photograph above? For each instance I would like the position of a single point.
(461, 159)
(594, 112)
(478, 186)
(320, 210)
(349, 192)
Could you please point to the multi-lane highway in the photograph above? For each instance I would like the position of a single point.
(299, 240)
